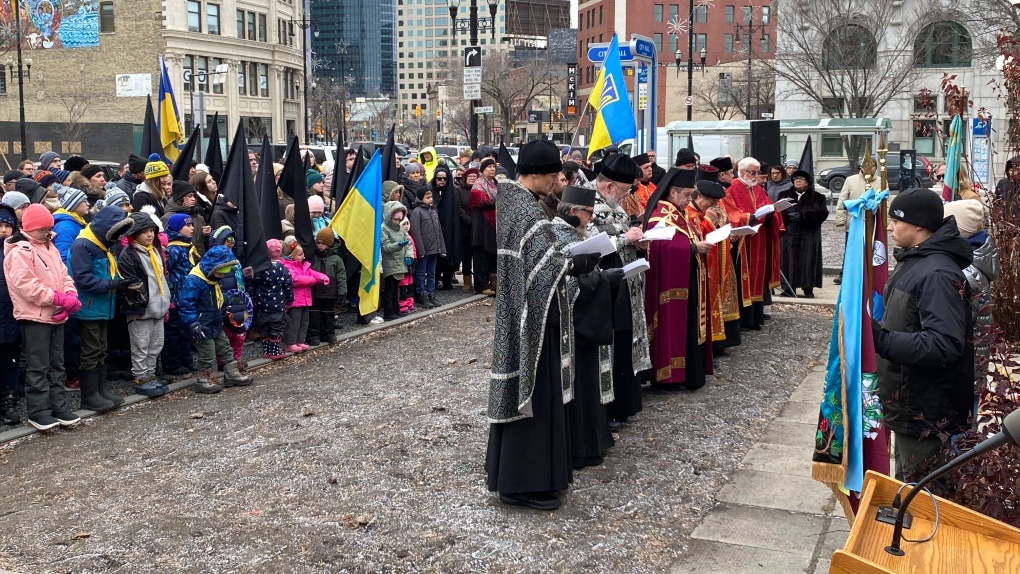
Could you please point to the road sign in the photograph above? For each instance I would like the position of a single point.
(637, 47)
(472, 57)
(688, 101)
(483, 110)
(472, 75)
(472, 91)
(497, 129)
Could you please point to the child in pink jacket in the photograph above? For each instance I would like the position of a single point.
(43, 296)
(304, 277)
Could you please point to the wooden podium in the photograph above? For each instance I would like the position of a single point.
(966, 542)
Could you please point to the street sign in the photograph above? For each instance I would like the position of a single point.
(472, 91)
(483, 110)
(636, 47)
(642, 96)
(497, 129)
(571, 89)
(472, 75)
(472, 57)
(688, 101)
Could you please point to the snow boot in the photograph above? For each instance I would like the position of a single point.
(104, 388)
(9, 410)
(207, 382)
(468, 287)
(236, 375)
(149, 387)
(433, 301)
(272, 349)
(91, 398)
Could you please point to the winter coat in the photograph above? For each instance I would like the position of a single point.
(181, 258)
(925, 344)
(464, 209)
(853, 188)
(773, 189)
(331, 265)
(128, 184)
(394, 254)
(980, 275)
(223, 216)
(152, 301)
(33, 270)
(426, 231)
(66, 227)
(304, 278)
(411, 191)
(143, 196)
(483, 209)
(195, 213)
(204, 207)
(273, 289)
(90, 266)
(9, 330)
(201, 298)
(231, 281)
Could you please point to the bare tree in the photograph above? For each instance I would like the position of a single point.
(723, 95)
(989, 18)
(511, 85)
(76, 100)
(851, 57)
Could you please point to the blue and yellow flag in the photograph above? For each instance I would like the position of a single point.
(171, 132)
(614, 120)
(359, 223)
(954, 157)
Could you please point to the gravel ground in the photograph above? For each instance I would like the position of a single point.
(367, 457)
(833, 239)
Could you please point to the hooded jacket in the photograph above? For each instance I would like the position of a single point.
(1008, 191)
(152, 301)
(426, 229)
(430, 167)
(925, 344)
(201, 298)
(223, 216)
(980, 275)
(35, 192)
(90, 264)
(181, 258)
(195, 213)
(331, 265)
(128, 184)
(66, 227)
(394, 254)
(411, 189)
(304, 278)
(34, 271)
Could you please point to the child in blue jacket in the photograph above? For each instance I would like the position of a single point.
(181, 258)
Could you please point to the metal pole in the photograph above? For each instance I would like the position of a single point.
(304, 64)
(473, 16)
(690, 61)
(750, 46)
(21, 85)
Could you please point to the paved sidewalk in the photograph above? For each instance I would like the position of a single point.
(824, 295)
(772, 518)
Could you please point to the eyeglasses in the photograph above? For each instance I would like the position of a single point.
(940, 177)
(751, 172)
(440, 179)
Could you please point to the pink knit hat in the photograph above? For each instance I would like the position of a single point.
(275, 249)
(36, 217)
(315, 203)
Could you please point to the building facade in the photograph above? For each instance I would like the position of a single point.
(366, 31)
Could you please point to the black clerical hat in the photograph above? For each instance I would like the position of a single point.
(581, 196)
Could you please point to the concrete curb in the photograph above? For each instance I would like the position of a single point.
(831, 303)
(24, 430)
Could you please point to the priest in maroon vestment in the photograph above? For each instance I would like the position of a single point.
(676, 292)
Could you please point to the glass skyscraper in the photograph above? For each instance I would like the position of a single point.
(369, 29)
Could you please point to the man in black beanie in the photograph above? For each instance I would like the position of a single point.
(925, 340)
(528, 456)
(134, 176)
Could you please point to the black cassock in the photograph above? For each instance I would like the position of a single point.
(801, 245)
(590, 438)
(626, 385)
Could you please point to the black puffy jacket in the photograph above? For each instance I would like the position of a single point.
(9, 330)
(925, 346)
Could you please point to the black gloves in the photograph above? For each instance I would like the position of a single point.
(614, 276)
(791, 216)
(752, 220)
(880, 337)
(581, 264)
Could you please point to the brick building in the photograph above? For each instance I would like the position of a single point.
(714, 29)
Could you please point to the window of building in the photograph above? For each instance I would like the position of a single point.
(657, 13)
(700, 43)
(600, 15)
(765, 15)
(251, 25)
(240, 24)
(264, 80)
(924, 137)
(202, 74)
(658, 41)
(253, 74)
(263, 34)
(728, 43)
(217, 86)
(672, 43)
(766, 43)
(701, 14)
(943, 45)
(833, 106)
(188, 66)
(748, 10)
(849, 47)
(194, 16)
(674, 11)
(242, 77)
(832, 145)
(106, 17)
(212, 18)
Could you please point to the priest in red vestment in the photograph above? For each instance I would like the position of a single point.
(758, 254)
(676, 292)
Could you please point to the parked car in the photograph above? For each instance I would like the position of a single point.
(834, 178)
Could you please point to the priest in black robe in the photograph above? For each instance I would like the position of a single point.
(592, 369)
(528, 456)
(801, 245)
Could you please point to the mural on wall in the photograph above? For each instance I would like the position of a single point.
(50, 24)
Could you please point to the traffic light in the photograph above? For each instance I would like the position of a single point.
(438, 114)
(417, 110)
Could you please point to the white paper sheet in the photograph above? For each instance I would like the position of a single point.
(745, 230)
(764, 210)
(783, 204)
(635, 267)
(660, 233)
(719, 235)
(599, 244)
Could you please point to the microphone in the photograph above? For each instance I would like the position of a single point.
(1010, 434)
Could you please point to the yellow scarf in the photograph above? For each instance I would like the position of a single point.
(197, 271)
(88, 235)
(157, 268)
(192, 251)
(71, 214)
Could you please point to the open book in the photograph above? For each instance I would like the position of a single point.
(745, 230)
(599, 244)
(783, 204)
(635, 267)
(660, 233)
(719, 235)
(764, 210)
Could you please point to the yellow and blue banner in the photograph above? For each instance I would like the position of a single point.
(614, 119)
(171, 131)
(359, 223)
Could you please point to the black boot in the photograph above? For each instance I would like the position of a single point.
(9, 410)
(433, 301)
(90, 397)
(104, 388)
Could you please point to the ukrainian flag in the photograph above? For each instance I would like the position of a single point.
(359, 223)
(171, 132)
(614, 120)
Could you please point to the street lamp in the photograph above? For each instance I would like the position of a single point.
(749, 29)
(304, 24)
(23, 74)
(472, 24)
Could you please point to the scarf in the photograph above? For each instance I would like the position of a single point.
(193, 256)
(154, 259)
(197, 272)
(88, 235)
(70, 214)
